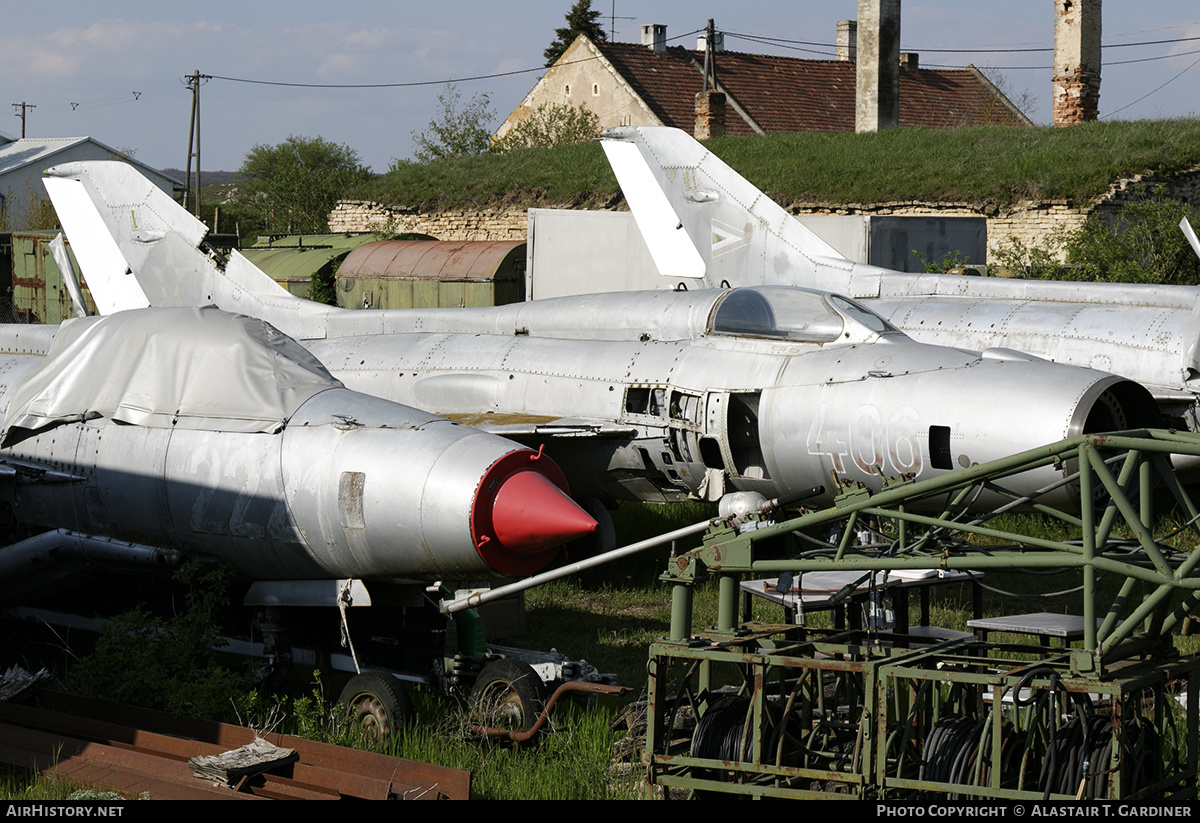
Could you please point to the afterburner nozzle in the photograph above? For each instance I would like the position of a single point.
(522, 510)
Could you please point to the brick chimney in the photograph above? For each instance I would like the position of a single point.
(654, 35)
(877, 90)
(1076, 61)
(710, 115)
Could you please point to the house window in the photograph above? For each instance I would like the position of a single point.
(568, 89)
(595, 89)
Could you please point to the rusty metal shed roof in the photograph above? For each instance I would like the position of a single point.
(467, 260)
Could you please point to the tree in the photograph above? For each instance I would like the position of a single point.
(581, 19)
(27, 211)
(299, 181)
(1138, 243)
(453, 132)
(1141, 243)
(549, 125)
(1025, 101)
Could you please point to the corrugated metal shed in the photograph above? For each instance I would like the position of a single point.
(293, 268)
(426, 274)
(345, 240)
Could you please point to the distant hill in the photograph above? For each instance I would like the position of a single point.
(207, 178)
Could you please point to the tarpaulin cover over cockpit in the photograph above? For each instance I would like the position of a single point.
(192, 368)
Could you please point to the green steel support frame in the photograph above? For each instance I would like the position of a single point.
(793, 712)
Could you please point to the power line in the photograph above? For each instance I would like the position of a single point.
(412, 84)
(1152, 91)
(979, 50)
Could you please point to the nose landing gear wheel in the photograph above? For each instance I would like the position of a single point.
(508, 695)
(377, 704)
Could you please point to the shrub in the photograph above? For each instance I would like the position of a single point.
(550, 125)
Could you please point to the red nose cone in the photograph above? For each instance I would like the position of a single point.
(521, 511)
(531, 514)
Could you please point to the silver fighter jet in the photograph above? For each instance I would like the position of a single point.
(168, 432)
(703, 221)
(646, 395)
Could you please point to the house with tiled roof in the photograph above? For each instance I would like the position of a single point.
(655, 84)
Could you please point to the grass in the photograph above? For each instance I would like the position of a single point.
(610, 617)
(572, 763)
(994, 164)
(23, 786)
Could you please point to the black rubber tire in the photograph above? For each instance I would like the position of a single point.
(377, 704)
(508, 695)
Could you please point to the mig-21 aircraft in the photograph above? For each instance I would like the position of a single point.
(150, 436)
(707, 225)
(647, 395)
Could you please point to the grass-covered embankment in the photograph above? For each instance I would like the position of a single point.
(983, 163)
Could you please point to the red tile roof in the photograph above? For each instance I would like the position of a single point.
(787, 94)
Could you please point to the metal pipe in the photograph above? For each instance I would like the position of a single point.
(61, 546)
(1132, 518)
(1114, 611)
(727, 602)
(1150, 601)
(681, 611)
(1088, 514)
(478, 598)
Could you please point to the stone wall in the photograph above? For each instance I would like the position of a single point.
(1031, 223)
(480, 224)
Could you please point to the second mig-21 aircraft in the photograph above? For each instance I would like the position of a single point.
(705, 224)
(651, 396)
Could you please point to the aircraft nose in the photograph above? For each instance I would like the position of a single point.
(521, 509)
(530, 514)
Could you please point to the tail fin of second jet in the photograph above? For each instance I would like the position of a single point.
(701, 219)
(138, 247)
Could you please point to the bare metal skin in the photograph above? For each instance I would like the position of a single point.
(291, 477)
(703, 221)
(645, 395)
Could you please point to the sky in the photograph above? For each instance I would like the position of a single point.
(115, 71)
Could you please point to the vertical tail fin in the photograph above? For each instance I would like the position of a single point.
(1190, 234)
(138, 247)
(700, 218)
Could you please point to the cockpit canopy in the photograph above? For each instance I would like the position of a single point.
(791, 314)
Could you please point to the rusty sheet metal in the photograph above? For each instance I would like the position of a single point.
(31, 280)
(472, 261)
(70, 726)
(128, 771)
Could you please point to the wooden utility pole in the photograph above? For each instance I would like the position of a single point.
(193, 83)
(23, 106)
